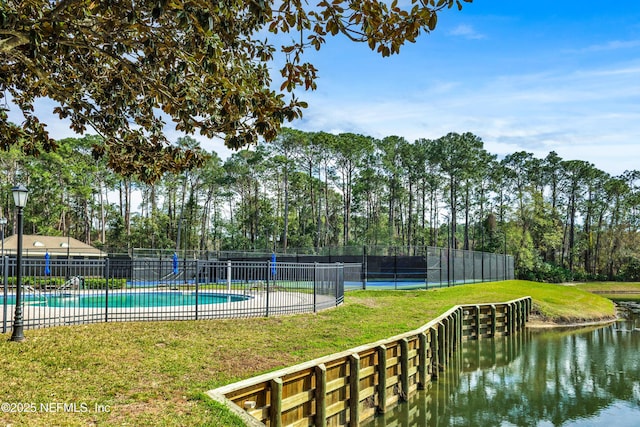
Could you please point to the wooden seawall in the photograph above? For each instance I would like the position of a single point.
(348, 387)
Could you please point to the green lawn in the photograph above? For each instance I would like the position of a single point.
(610, 287)
(614, 290)
(155, 373)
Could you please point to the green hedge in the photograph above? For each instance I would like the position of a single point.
(48, 283)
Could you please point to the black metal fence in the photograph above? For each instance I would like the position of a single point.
(159, 285)
(383, 267)
(63, 292)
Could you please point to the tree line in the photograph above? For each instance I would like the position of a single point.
(560, 219)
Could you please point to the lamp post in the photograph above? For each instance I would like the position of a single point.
(20, 194)
(3, 223)
(68, 254)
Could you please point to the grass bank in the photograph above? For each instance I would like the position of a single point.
(613, 290)
(155, 373)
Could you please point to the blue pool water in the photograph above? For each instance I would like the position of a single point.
(127, 299)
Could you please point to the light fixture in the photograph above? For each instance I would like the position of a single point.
(20, 194)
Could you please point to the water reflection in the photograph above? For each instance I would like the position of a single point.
(586, 377)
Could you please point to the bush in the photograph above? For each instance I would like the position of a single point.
(98, 283)
(50, 283)
(630, 271)
(550, 273)
(547, 273)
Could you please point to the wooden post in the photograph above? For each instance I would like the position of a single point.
(477, 316)
(460, 325)
(493, 320)
(448, 337)
(321, 395)
(435, 353)
(275, 414)
(382, 379)
(404, 369)
(456, 324)
(442, 351)
(354, 390)
(422, 361)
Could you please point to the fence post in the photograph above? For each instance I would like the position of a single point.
(464, 267)
(449, 267)
(426, 266)
(337, 280)
(267, 286)
(364, 268)
(315, 285)
(453, 266)
(395, 267)
(197, 280)
(107, 275)
(440, 259)
(228, 276)
(504, 266)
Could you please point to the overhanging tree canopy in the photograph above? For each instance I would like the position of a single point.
(124, 67)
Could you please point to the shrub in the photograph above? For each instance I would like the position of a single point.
(630, 271)
(546, 272)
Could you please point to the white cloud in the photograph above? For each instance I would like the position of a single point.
(608, 46)
(466, 31)
(591, 114)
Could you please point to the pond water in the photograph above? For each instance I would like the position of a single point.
(584, 377)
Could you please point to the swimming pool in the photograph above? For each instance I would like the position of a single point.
(129, 299)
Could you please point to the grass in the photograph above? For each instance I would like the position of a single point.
(610, 287)
(616, 291)
(156, 373)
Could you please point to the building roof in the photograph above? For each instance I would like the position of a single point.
(60, 246)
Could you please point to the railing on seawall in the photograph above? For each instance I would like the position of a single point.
(346, 388)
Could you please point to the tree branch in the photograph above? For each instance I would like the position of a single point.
(14, 40)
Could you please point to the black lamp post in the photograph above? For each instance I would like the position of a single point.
(20, 194)
(3, 223)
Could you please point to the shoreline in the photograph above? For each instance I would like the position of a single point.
(537, 322)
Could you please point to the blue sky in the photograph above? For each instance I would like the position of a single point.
(538, 76)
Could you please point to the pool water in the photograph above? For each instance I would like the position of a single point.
(131, 299)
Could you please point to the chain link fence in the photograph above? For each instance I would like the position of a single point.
(382, 267)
